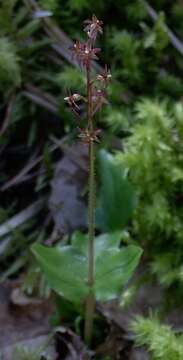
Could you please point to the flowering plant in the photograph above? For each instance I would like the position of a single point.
(91, 268)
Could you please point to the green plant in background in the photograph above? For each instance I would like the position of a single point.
(160, 340)
(9, 64)
(152, 156)
(94, 268)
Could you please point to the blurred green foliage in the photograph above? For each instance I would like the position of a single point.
(153, 156)
(9, 64)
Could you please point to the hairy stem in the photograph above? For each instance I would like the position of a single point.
(90, 301)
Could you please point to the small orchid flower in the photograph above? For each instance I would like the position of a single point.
(93, 27)
(105, 76)
(72, 100)
(99, 99)
(84, 53)
(87, 137)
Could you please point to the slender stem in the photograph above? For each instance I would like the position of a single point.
(89, 98)
(90, 301)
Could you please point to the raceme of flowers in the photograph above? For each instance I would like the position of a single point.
(85, 53)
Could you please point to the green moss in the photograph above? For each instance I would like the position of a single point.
(159, 339)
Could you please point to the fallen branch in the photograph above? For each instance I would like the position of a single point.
(41, 98)
(8, 114)
(21, 217)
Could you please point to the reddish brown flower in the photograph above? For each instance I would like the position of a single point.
(77, 50)
(93, 27)
(72, 100)
(99, 99)
(86, 136)
(105, 76)
(84, 53)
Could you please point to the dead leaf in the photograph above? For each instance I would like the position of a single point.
(33, 345)
(20, 299)
(21, 324)
(69, 346)
(67, 206)
(139, 354)
(115, 345)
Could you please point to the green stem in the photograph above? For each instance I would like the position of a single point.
(90, 301)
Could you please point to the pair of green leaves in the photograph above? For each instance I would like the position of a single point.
(66, 267)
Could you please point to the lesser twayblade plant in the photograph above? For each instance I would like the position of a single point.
(93, 268)
(85, 53)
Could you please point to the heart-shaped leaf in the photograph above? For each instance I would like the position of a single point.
(113, 269)
(65, 269)
(117, 199)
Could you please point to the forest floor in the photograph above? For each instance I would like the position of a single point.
(25, 324)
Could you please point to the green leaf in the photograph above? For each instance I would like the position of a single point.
(79, 241)
(107, 241)
(65, 269)
(117, 199)
(102, 242)
(113, 268)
